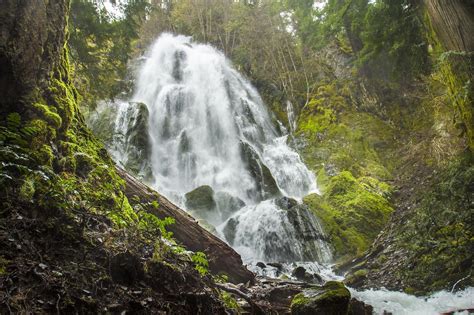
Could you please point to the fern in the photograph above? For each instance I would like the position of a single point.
(13, 122)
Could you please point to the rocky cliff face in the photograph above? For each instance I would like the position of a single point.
(424, 246)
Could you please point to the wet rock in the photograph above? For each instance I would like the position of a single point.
(137, 140)
(133, 141)
(330, 299)
(266, 184)
(356, 279)
(286, 203)
(357, 307)
(299, 272)
(230, 230)
(276, 265)
(306, 226)
(261, 265)
(200, 199)
(317, 278)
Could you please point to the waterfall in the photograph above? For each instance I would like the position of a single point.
(290, 111)
(215, 151)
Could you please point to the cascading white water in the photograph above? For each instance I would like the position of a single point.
(208, 126)
(290, 111)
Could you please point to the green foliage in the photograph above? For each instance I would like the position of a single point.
(386, 37)
(150, 222)
(394, 42)
(102, 45)
(455, 71)
(201, 264)
(229, 301)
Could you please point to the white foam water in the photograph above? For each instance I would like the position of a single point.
(399, 303)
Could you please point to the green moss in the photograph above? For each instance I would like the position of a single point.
(333, 290)
(352, 211)
(201, 198)
(332, 298)
(299, 299)
(44, 155)
(438, 235)
(49, 114)
(356, 278)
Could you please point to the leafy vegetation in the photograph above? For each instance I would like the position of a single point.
(201, 263)
(102, 45)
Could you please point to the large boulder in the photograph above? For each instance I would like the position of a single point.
(330, 299)
(201, 203)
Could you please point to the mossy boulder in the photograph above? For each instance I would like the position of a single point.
(330, 299)
(201, 199)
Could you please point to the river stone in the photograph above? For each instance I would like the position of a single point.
(264, 180)
(300, 273)
(276, 265)
(330, 299)
(261, 265)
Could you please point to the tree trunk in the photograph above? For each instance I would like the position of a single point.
(453, 22)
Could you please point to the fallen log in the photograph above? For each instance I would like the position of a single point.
(222, 258)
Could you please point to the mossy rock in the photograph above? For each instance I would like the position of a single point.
(355, 279)
(352, 211)
(330, 299)
(201, 199)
